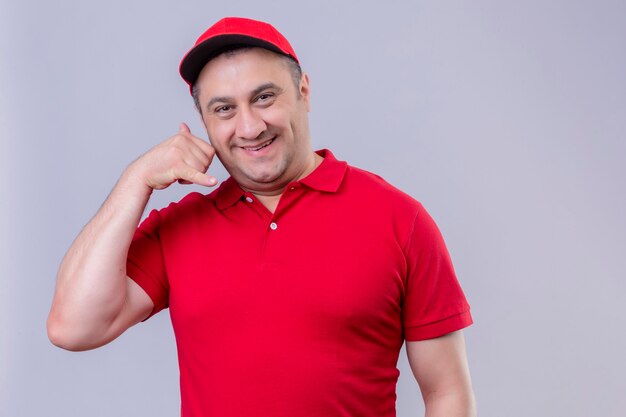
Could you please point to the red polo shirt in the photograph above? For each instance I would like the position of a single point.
(301, 312)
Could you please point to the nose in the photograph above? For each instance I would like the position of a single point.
(250, 124)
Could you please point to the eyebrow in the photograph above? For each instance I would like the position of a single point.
(259, 89)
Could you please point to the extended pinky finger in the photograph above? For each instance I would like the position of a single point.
(193, 176)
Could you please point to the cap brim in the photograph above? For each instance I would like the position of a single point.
(198, 56)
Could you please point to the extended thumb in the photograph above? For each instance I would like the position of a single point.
(183, 128)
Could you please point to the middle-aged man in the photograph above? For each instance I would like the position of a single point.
(292, 286)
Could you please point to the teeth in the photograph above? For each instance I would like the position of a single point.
(259, 147)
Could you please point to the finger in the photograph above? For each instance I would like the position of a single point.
(204, 145)
(199, 163)
(186, 142)
(187, 172)
(201, 143)
(193, 176)
(204, 156)
(183, 128)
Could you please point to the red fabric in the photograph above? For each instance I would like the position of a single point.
(231, 31)
(306, 319)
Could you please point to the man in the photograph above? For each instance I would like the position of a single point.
(292, 286)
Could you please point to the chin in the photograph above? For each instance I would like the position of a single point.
(264, 176)
(263, 179)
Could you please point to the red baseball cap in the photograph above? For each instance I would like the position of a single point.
(232, 31)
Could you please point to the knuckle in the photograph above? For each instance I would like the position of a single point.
(174, 154)
(179, 140)
(172, 173)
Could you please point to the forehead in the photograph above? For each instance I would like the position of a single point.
(242, 70)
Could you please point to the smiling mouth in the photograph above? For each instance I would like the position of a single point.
(258, 148)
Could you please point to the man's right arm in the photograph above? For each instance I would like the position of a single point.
(95, 301)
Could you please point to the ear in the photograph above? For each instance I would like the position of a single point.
(305, 90)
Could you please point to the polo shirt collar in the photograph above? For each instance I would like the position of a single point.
(228, 194)
(327, 177)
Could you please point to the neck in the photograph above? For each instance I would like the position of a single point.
(270, 199)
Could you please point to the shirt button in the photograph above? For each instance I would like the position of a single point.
(249, 199)
(273, 226)
(292, 188)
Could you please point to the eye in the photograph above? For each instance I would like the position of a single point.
(264, 97)
(223, 109)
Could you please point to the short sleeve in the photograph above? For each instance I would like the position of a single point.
(145, 264)
(434, 303)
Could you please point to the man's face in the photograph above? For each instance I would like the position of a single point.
(256, 118)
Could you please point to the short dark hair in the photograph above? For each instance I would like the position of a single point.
(294, 69)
